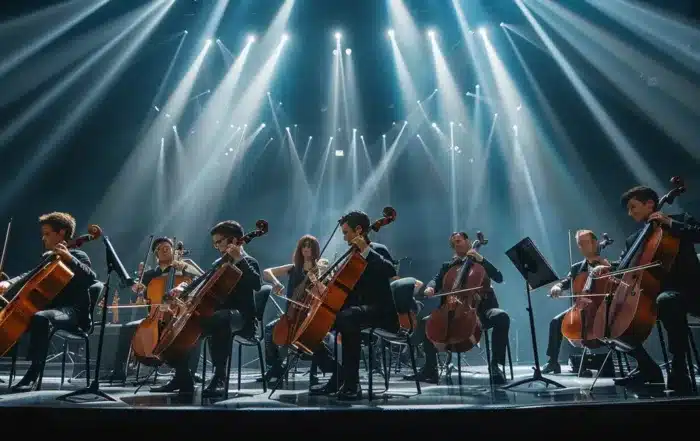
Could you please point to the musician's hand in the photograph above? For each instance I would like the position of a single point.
(234, 251)
(660, 218)
(417, 285)
(360, 243)
(277, 289)
(62, 251)
(138, 287)
(4, 286)
(475, 255)
(178, 290)
(179, 265)
(555, 292)
(598, 269)
(429, 292)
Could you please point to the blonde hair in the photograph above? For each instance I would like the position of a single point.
(580, 233)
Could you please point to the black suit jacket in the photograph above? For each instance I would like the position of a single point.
(243, 296)
(76, 294)
(374, 286)
(686, 266)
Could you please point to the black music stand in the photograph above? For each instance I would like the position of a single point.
(537, 273)
(113, 264)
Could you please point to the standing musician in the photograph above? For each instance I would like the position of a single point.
(677, 296)
(488, 312)
(587, 243)
(70, 308)
(235, 316)
(370, 303)
(162, 249)
(305, 257)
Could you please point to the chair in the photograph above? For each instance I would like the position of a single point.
(402, 292)
(75, 335)
(487, 344)
(260, 299)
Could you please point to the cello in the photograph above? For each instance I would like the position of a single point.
(327, 298)
(455, 326)
(577, 324)
(207, 291)
(37, 291)
(628, 314)
(147, 333)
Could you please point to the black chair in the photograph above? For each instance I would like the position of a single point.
(402, 291)
(487, 345)
(257, 340)
(73, 335)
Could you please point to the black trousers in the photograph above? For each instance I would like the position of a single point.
(126, 334)
(220, 328)
(555, 336)
(273, 353)
(672, 309)
(491, 317)
(43, 322)
(349, 322)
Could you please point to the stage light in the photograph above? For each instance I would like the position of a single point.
(348, 51)
(338, 36)
(251, 38)
(339, 153)
(391, 33)
(431, 33)
(285, 37)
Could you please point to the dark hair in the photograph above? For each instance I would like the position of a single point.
(229, 229)
(298, 257)
(356, 218)
(159, 241)
(640, 193)
(580, 233)
(458, 233)
(59, 221)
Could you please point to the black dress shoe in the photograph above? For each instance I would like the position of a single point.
(552, 367)
(350, 392)
(497, 375)
(424, 376)
(183, 386)
(327, 389)
(215, 388)
(639, 377)
(678, 379)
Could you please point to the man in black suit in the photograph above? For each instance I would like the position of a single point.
(235, 316)
(678, 295)
(70, 308)
(370, 303)
(489, 313)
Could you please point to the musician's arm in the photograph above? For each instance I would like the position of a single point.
(381, 260)
(16, 279)
(688, 228)
(82, 267)
(491, 271)
(271, 274)
(436, 283)
(250, 277)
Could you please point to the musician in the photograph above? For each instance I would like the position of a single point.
(587, 243)
(305, 257)
(489, 313)
(369, 304)
(163, 250)
(70, 308)
(678, 296)
(235, 316)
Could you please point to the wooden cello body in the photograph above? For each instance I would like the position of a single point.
(578, 323)
(42, 285)
(455, 326)
(208, 291)
(326, 299)
(627, 317)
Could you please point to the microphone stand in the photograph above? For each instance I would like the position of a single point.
(113, 264)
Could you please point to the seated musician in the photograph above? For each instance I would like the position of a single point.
(370, 303)
(162, 249)
(70, 308)
(489, 313)
(306, 254)
(678, 296)
(587, 243)
(235, 316)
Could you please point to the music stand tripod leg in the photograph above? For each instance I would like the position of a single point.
(291, 359)
(537, 376)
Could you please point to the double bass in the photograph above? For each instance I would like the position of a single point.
(147, 333)
(455, 326)
(39, 289)
(587, 293)
(329, 293)
(627, 316)
(207, 291)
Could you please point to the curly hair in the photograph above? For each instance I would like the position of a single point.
(59, 221)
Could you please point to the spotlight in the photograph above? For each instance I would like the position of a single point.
(208, 41)
(390, 32)
(339, 153)
(285, 37)
(251, 38)
(335, 51)
(185, 31)
(418, 101)
(218, 41)
(482, 31)
(348, 51)
(338, 36)
(286, 128)
(263, 125)
(431, 33)
(502, 24)
(434, 126)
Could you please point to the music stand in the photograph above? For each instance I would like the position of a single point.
(537, 273)
(113, 264)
